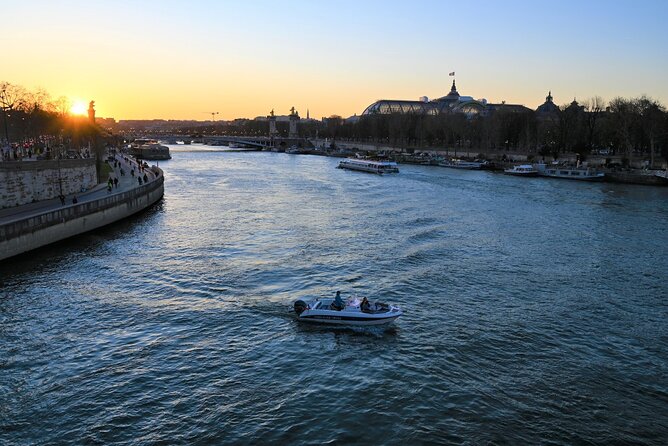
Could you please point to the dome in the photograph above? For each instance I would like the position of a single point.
(548, 106)
(453, 96)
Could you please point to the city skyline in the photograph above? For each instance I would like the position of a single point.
(172, 61)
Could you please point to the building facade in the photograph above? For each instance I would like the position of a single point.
(453, 102)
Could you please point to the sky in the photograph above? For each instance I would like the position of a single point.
(185, 59)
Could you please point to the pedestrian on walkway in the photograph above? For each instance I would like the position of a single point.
(139, 180)
(62, 199)
(116, 182)
(145, 178)
(74, 200)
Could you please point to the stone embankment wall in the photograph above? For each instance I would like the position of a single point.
(23, 182)
(33, 232)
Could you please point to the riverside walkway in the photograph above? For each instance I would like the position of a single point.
(125, 183)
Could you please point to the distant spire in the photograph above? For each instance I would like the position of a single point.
(454, 87)
(549, 96)
(307, 114)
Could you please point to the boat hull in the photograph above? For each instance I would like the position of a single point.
(521, 174)
(515, 174)
(637, 178)
(581, 178)
(464, 166)
(346, 320)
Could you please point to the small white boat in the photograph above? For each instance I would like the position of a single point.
(461, 164)
(321, 311)
(523, 170)
(379, 167)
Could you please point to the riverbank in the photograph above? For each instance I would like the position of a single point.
(27, 227)
(636, 173)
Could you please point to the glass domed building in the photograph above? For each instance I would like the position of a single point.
(453, 102)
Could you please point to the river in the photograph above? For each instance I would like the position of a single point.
(536, 311)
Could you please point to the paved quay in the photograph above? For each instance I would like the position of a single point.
(125, 183)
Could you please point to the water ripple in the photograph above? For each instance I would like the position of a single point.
(535, 313)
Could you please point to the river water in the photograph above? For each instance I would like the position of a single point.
(536, 311)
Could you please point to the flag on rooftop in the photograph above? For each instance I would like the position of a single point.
(451, 74)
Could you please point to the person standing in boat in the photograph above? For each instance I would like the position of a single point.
(338, 302)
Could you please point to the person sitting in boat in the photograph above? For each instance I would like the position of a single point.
(338, 302)
(365, 306)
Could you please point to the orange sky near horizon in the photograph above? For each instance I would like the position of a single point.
(167, 60)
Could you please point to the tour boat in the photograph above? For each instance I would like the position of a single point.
(523, 170)
(321, 311)
(379, 167)
(149, 149)
(570, 173)
(461, 164)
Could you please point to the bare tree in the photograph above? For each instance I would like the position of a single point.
(651, 114)
(594, 107)
(11, 98)
(62, 106)
(623, 116)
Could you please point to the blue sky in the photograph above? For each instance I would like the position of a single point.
(175, 59)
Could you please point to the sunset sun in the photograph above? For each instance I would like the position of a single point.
(78, 108)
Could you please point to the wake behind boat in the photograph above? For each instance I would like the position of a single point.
(351, 312)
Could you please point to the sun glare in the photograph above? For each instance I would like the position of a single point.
(78, 108)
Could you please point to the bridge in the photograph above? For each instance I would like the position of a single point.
(258, 142)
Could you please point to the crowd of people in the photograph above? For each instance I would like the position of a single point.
(141, 166)
(31, 152)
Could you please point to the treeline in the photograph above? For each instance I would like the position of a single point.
(622, 127)
(626, 127)
(33, 118)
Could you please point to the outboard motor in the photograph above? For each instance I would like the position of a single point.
(300, 306)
